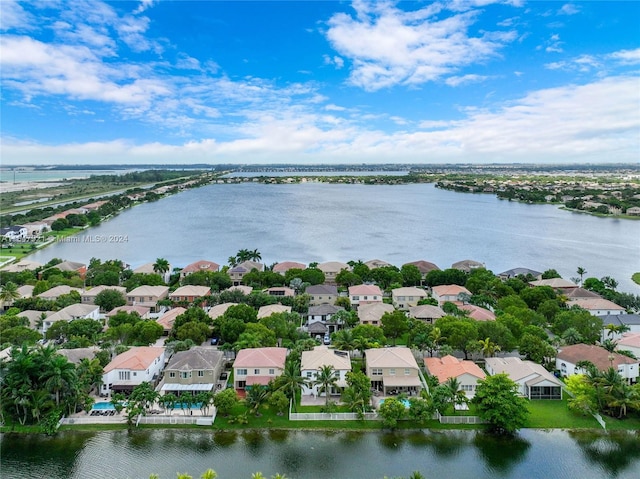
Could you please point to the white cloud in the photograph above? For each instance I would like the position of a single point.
(388, 46)
(600, 63)
(568, 9)
(627, 57)
(464, 79)
(13, 16)
(144, 4)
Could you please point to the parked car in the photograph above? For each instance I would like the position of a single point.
(326, 339)
(214, 341)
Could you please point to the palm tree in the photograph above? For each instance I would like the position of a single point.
(326, 379)
(488, 347)
(609, 345)
(625, 397)
(256, 397)
(255, 255)
(609, 282)
(344, 340)
(456, 395)
(581, 272)
(59, 376)
(161, 266)
(9, 293)
(290, 382)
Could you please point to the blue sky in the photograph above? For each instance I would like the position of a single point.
(307, 82)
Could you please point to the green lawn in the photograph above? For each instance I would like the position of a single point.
(555, 414)
(636, 278)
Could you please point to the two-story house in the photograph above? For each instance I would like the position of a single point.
(88, 296)
(195, 370)
(393, 371)
(239, 271)
(406, 298)
(364, 294)
(322, 294)
(448, 293)
(331, 269)
(257, 366)
(318, 357)
(132, 368)
(147, 296)
(202, 265)
(569, 356)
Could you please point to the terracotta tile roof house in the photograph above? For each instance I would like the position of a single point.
(237, 272)
(147, 296)
(143, 311)
(405, 298)
(320, 356)
(630, 342)
(258, 366)
(376, 263)
(56, 292)
(513, 273)
(580, 293)
(168, 318)
(88, 296)
(535, 381)
(281, 291)
(74, 311)
(192, 371)
(131, 368)
(597, 306)
(322, 294)
(269, 309)
(424, 267)
(569, 356)
(448, 292)
(393, 370)
(202, 265)
(372, 313)
(467, 265)
(331, 270)
(189, 293)
(478, 313)
(282, 268)
(426, 312)
(22, 265)
(364, 294)
(246, 290)
(555, 283)
(219, 309)
(466, 372)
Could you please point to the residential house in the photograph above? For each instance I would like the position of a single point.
(322, 294)
(70, 266)
(36, 228)
(630, 342)
(281, 291)
(246, 290)
(74, 311)
(449, 293)
(258, 366)
(238, 272)
(425, 267)
(148, 268)
(57, 291)
(168, 318)
(633, 211)
(319, 320)
(282, 268)
(466, 372)
(202, 265)
(132, 368)
(376, 263)
(579, 293)
(76, 355)
(364, 294)
(22, 265)
(35, 318)
(24, 291)
(406, 298)
(478, 313)
(556, 283)
(569, 356)
(318, 357)
(628, 322)
(88, 296)
(515, 272)
(393, 370)
(195, 370)
(597, 306)
(467, 265)
(426, 312)
(147, 296)
(534, 381)
(372, 313)
(143, 311)
(269, 309)
(331, 270)
(219, 309)
(189, 293)
(14, 233)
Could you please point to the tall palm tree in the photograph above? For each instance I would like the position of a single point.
(625, 397)
(291, 381)
(161, 266)
(452, 386)
(581, 272)
(255, 255)
(9, 293)
(344, 340)
(59, 376)
(488, 347)
(326, 379)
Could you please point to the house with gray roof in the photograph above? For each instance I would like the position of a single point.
(195, 370)
(319, 319)
(515, 272)
(534, 381)
(322, 294)
(426, 312)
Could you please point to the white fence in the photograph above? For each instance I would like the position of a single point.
(191, 420)
(117, 419)
(458, 419)
(326, 416)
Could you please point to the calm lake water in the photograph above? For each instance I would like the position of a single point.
(312, 455)
(396, 223)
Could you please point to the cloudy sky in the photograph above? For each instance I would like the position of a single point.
(471, 81)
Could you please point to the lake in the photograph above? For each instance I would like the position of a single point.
(312, 455)
(337, 222)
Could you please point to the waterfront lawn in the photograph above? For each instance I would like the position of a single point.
(636, 278)
(631, 422)
(555, 414)
(17, 251)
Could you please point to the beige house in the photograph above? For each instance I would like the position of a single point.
(376, 263)
(406, 298)
(467, 265)
(282, 268)
(202, 265)
(193, 371)
(22, 265)
(372, 313)
(467, 373)
(238, 272)
(147, 268)
(258, 366)
(534, 381)
(168, 318)
(331, 270)
(321, 356)
(630, 342)
(362, 294)
(393, 371)
(425, 267)
(448, 293)
(426, 312)
(147, 296)
(143, 311)
(57, 291)
(71, 312)
(269, 309)
(88, 296)
(555, 283)
(322, 294)
(280, 291)
(219, 309)
(597, 306)
(569, 356)
(189, 293)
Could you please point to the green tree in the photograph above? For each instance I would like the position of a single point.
(411, 275)
(256, 396)
(225, 401)
(161, 266)
(391, 410)
(326, 379)
(290, 381)
(278, 400)
(498, 402)
(8, 294)
(394, 325)
(357, 395)
(109, 299)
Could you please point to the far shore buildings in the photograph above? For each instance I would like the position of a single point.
(202, 265)
(282, 268)
(132, 368)
(449, 293)
(425, 267)
(239, 271)
(515, 272)
(256, 367)
(331, 269)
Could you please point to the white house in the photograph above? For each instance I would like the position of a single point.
(448, 293)
(569, 356)
(13, 233)
(313, 360)
(74, 311)
(364, 294)
(597, 306)
(630, 342)
(535, 382)
(132, 368)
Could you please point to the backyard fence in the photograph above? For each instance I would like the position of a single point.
(337, 416)
(458, 419)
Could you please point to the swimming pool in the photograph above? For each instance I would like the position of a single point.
(180, 405)
(403, 401)
(103, 406)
